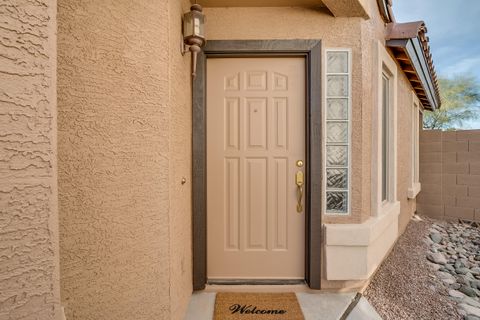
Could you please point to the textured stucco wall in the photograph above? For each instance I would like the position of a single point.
(373, 30)
(125, 125)
(180, 166)
(372, 35)
(404, 150)
(29, 287)
(124, 144)
(404, 132)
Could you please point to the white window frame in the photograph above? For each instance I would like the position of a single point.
(415, 185)
(385, 65)
(324, 135)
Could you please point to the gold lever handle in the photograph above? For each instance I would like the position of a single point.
(299, 181)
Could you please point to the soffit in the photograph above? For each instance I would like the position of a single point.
(347, 8)
(409, 45)
(338, 8)
(262, 3)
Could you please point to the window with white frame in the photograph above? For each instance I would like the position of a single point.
(385, 136)
(415, 187)
(337, 131)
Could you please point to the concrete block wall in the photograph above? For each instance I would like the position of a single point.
(450, 174)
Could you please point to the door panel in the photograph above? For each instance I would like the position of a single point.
(255, 135)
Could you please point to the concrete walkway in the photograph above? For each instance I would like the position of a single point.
(363, 310)
(314, 305)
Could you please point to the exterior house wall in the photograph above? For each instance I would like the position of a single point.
(180, 166)
(362, 37)
(124, 129)
(404, 151)
(374, 28)
(450, 174)
(124, 103)
(29, 252)
(309, 23)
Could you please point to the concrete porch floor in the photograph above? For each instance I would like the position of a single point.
(314, 304)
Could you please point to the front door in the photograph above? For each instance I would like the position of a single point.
(255, 139)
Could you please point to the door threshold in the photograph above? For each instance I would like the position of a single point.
(273, 286)
(255, 282)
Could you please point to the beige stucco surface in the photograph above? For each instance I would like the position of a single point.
(354, 251)
(124, 103)
(348, 8)
(373, 30)
(124, 145)
(180, 211)
(29, 287)
(404, 152)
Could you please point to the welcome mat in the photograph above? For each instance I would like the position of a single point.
(268, 306)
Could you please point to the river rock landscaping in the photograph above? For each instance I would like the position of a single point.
(421, 278)
(454, 255)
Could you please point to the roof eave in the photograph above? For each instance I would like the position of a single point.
(408, 44)
(413, 65)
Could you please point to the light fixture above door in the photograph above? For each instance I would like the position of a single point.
(194, 33)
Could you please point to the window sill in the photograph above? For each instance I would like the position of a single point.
(336, 214)
(414, 190)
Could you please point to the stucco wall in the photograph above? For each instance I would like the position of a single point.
(124, 144)
(373, 30)
(180, 166)
(369, 256)
(404, 150)
(361, 36)
(29, 274)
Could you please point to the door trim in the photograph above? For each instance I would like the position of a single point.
(311, 51)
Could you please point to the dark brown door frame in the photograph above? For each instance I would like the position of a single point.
(311, 51)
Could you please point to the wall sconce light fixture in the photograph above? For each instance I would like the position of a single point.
(194, 33)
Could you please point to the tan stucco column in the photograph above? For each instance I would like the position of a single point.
(29, 255)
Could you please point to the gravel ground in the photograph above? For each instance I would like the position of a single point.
(405, 285)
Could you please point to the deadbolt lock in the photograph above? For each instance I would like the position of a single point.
(299, 163)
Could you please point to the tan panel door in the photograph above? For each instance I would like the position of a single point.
(255, 135)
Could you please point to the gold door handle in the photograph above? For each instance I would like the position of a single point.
(299, 181)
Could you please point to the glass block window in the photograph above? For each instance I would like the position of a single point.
(337, 132)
